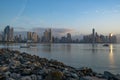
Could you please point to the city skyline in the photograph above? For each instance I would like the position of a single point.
(8, 35)
(76, 16)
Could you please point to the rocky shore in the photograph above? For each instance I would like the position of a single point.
(15, 65)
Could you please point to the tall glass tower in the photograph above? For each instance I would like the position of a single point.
(93, 36)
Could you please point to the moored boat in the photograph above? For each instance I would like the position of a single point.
(105, 45)
(25, 46)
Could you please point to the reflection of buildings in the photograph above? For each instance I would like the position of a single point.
(47, 48)
(8, 34)
(111, 55)
(66, 47)
(94, 48)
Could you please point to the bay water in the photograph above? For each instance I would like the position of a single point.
(97, 57)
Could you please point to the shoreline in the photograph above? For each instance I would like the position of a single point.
(15, 65)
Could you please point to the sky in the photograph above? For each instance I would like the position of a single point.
(75, 16)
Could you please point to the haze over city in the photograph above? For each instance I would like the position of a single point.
(75, 16)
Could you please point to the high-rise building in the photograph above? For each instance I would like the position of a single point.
(112, 38)
(47, 36)
(8, 33)
(93, 35)
(69, 39)
(29, 36)
(1, 37)
(50, 35)
(20, 38)
(34, 37)
(11, 34)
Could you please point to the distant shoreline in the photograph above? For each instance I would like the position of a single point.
(4, 42)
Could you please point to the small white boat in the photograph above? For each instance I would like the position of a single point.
(25, 46)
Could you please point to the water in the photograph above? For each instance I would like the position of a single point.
(97, 57)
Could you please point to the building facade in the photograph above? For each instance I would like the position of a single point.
(8, 34)
(47, 38)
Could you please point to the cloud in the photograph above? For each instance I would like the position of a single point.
(20, 12)
(63, 31)
(55, 31)
(19, 28)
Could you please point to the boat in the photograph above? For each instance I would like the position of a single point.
(25, 46)
(32, 45)
(105, 45)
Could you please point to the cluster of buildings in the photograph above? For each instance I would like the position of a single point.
(95, 38)
(8, 36)
(63, 39)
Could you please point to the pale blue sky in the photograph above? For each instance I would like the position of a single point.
(77, 15)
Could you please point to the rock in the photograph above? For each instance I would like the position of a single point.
(72, 79)
(7, 74)
(27, 72)
(74, 75)
(26, 78)
(4, 68)
(44, 71)
(37, 64)
(54, 75)
(15, 75)
(33, 77)
(27, 63)
(10, 79)
(39, 77)
(110, 76)
(2, 77)
(100, 75)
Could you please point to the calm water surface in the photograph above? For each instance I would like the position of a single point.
(97, 57)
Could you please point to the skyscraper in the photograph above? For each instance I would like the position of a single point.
(1, 37)
(11, 34)
(34, 37)
(47, 36)
(69, 39)
(93, 36)
(29, 36)
(50, 35)
(8, 33)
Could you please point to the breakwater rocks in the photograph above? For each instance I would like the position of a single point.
(22, 66)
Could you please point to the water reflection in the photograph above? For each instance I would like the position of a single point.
(94, 48)
(34, 50)
(7, 45)
(111, 55)
(66, 47)
(46, 47)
